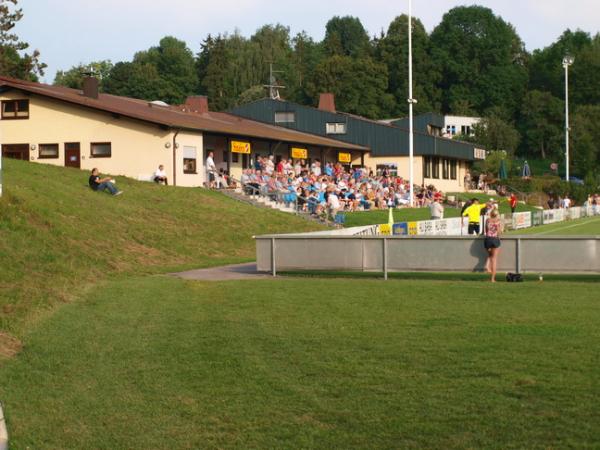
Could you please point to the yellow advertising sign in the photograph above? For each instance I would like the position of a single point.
(413, 228)
(240, 147)
(385, 229)
(345, 157)
(299, 153)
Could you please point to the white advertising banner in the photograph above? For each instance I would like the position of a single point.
(426, 228)
(521, 220)
(553, 216)
(574, 213)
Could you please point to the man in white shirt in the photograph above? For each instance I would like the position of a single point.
(566, 203)
(333, 202)
(160, 176)
(211, 170)
(436, 209)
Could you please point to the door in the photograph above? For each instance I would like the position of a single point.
(16, 151)
(73, 155)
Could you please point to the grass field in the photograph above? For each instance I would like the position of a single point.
(159, 363)
(117, 355)
(582, 227)
(58, 236)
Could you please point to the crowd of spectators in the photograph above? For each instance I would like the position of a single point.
(331, 188)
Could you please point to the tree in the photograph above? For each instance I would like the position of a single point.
(73, 78)
(392, 50)
(482, 61)
(175, 65)
(136, 80)
(12, 62)
(306, 57)
(542, 123)
(585, 75)
(358, 84)
(585, 148)
(495, 134)
(545, 68)
(346, 36)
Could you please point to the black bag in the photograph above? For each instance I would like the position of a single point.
(514, 277)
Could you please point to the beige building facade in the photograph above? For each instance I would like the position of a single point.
(123, 136)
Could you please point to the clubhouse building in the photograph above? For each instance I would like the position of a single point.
(124, 136)
(438, 160)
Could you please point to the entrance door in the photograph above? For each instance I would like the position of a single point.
(73, 155)
(16, 151)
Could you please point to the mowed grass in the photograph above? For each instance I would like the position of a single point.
(155, 362)
(589, 226)
(59, 237)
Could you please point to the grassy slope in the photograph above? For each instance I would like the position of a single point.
(59, 236)
(154, 362)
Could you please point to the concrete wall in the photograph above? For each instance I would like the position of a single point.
(436, 254)
(137, 147)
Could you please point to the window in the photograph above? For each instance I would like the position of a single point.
(465, 130)
(435, 168)
(453, 169)
(15, 109)
(335, 128)
(445, 169)
(427, 167)
(48, 151)
(285, 117)
(101, 150)
(189, 160)
(235, 157)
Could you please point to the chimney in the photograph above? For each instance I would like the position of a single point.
(327, 102)
(197, 104)
(90, 87)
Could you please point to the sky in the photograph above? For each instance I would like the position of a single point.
(69, 32)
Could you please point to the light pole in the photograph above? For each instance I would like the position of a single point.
(567, 61)
(411, 102)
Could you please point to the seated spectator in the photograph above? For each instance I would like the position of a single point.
(160, 176)
(102, 184)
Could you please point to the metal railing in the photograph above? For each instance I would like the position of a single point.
(521, 254)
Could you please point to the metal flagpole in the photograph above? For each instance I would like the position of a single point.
(411, 101)
(567, 61)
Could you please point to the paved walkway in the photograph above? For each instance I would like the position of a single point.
(236, 272)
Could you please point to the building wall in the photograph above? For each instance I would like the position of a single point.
(137, 148)
(402, 163)
(458, 122)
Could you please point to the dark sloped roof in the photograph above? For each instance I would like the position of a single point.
(211, 122)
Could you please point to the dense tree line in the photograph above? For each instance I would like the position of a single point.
(472, 63)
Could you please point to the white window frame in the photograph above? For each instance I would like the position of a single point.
(336, 128)
(285, 116)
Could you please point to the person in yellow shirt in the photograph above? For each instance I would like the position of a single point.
(473, 212)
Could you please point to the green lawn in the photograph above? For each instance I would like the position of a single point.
(581, 227)
(154, 362)
(58, 236)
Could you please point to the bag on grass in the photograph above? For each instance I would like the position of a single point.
(514, 277)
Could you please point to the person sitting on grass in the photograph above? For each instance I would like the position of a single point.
(160, 176)
(102, 184)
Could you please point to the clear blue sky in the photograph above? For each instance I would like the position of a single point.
(68, 32)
